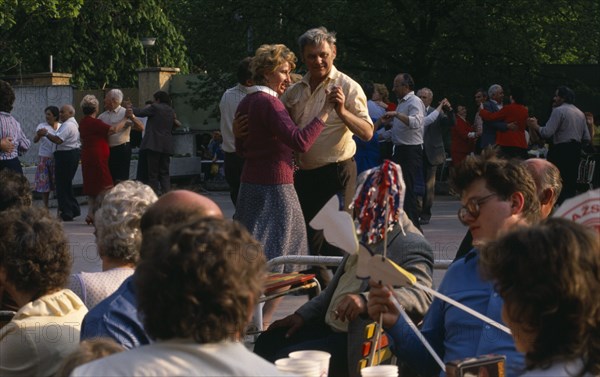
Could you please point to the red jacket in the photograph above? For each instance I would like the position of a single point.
(513, 112)
(460, 145)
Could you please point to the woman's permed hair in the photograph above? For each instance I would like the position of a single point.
(268, 58)
(549, 277)
(118, 218)
(383, 92)
(34, 251)
(200, 280)
(15, 190)
(89, 104)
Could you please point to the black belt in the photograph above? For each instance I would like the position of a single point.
(121, 145)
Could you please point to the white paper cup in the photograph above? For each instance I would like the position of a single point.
(300, 367)
(321, 357)
(380, 371)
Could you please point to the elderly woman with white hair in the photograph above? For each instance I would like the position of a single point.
(95, 152)
(118, 236)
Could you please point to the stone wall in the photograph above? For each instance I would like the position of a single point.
(29, 108)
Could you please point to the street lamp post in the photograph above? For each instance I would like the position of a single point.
(147, 42)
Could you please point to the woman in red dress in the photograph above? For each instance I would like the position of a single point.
(94, 152)
(462, 142)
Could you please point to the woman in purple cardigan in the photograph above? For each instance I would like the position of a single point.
(267, 203)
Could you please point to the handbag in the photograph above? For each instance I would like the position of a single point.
(214, 168)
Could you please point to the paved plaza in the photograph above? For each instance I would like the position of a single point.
(444, 232)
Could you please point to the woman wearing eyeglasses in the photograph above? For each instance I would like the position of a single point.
(496, 195)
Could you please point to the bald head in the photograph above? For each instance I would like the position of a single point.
(66, 112)
(178, 206)
(547, 181)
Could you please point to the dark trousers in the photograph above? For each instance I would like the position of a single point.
(314, 188)
(272, 345)
(386, 149)
(410, 159)
(13, 164)
(66, 167)
(158, 171)
(119, 161)
(233, 165)
(429, 172)
(566, 157)
(513, 152)
(142, 167)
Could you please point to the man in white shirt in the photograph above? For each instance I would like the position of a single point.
(66, 158)
(230, 100)
(407, 135)
(120, 151)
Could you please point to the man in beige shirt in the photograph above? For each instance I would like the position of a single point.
(328, 168)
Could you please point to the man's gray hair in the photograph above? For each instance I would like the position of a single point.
(69, 109)
(116, 94)
(426, 90)
(316, 36)
(494, 89)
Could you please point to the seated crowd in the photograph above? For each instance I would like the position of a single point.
(193, 287)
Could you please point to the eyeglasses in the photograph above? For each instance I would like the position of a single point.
(472, 208)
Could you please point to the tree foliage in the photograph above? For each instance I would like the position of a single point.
(452, 46)
(98, 41)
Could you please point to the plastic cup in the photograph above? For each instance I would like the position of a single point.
(380, 371)
(304, 368)
(321, 357)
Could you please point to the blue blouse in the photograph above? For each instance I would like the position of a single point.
(117, 317)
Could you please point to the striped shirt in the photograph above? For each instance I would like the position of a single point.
(10, 127)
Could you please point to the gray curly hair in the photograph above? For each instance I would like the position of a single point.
(89, 100)
(117, 220)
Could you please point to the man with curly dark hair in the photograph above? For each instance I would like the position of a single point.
(34, 267)
(497, 196)
(548, 277)
(196, 293)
